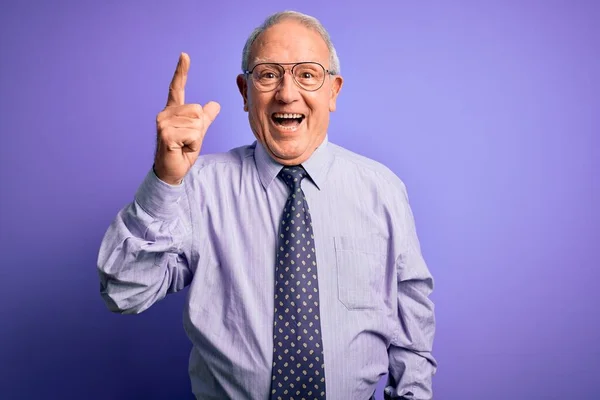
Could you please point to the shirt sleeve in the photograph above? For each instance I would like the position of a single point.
(144, 254)
(411, 364)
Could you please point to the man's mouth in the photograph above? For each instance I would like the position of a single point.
(289, 121)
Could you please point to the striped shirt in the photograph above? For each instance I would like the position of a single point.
(216, 233)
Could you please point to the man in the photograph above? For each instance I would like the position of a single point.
(305, 275)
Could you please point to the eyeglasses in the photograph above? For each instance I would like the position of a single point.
(309, 76)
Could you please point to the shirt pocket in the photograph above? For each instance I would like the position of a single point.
(360, 263)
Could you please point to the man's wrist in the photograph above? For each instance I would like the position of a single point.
(158, 198)
(172, 182)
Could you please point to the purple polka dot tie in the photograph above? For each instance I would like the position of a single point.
(298, 368)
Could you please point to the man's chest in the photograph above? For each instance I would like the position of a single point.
(350, 243)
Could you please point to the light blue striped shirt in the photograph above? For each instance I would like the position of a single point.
(217, 233)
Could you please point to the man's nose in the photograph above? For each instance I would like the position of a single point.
(287, 91)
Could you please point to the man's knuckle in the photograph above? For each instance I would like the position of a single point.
(196, 109)
(162, 124)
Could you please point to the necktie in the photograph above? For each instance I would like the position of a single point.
(298, 370)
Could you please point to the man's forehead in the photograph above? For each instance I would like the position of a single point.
(278, 60)
(306, 45)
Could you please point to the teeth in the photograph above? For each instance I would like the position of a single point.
(282, 115)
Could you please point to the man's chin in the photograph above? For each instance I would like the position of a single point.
(288, 151)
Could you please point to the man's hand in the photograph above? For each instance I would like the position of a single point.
(180, 129)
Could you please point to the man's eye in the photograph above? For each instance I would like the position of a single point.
(306, 75)
(268, 75)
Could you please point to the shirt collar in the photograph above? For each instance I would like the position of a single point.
(316, 166)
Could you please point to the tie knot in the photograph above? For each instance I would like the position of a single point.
(292, 176)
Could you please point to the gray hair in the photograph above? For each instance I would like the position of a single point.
(306, 20)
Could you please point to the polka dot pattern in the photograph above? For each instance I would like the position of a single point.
(298, 368)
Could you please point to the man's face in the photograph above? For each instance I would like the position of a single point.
(289, 142)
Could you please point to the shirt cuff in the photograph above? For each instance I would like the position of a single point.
(158, 198)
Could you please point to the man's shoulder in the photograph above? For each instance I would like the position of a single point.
(365, 167)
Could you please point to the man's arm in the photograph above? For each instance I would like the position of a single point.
(145, 252)
(411, 364)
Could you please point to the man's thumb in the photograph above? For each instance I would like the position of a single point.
(211, 110)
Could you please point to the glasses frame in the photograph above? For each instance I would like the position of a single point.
(328, 72)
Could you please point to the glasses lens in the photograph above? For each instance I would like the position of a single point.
(310, 76)
(267, 76)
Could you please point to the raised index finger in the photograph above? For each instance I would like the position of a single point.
(177, 87)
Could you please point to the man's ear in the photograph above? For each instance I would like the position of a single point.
(336, 86)
(242, 85)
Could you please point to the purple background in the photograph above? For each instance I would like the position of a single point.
(488, 112)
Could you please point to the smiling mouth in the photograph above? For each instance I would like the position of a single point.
(289, 121)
